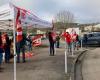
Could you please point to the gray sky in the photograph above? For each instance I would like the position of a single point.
(84, 10)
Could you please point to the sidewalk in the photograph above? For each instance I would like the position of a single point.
(91, 65)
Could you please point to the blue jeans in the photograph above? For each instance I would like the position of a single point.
(29, 47)
(75, 45)
(20, 48)
(1, 55)
(69, 47)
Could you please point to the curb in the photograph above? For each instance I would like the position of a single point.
(78, 59)
(74, 63)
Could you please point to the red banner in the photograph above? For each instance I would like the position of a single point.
(37, 40)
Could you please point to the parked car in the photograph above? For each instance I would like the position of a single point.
(92, 39)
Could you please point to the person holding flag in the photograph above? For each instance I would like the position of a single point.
(19, 37)
(19, 40)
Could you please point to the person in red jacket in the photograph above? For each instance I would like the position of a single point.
(68, 40)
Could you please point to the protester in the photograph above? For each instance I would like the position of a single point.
(57, 41)
(75, 40)
(11, 49)
(21, 48)
(68, 40)
(51, 41)
(1, 52)
(7, 48)
(29, 43)
(6, 45)
(85, 40)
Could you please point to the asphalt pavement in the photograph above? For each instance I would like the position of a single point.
(91, 65)
(39, 67)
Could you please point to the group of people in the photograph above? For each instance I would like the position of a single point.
(20, 46)
(70, 39)
(5, 44)
(6, 47)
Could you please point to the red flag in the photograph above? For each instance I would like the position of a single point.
(23, 14)
(18, 27)
(19, 32)
(18, 15)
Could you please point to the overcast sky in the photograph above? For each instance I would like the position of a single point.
(84, 10)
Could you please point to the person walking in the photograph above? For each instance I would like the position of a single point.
(1, 52)
(51, 42)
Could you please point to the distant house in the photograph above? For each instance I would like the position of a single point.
(60, 25)
(90, 27)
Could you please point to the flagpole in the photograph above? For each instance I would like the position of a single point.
(14, 31)
(14, 40)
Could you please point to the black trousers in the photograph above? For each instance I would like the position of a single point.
(7, 54)
(52, 48)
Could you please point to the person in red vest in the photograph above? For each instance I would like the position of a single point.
(19, 36)
(75, 40)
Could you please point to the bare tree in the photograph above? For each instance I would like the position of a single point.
(65, 18)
